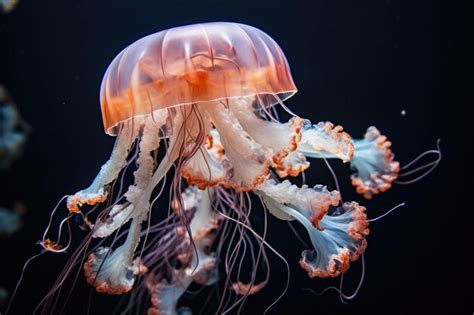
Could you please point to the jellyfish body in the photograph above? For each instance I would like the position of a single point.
(6, 6)
(11, 220)
(3, 295)
(191, 65)
(13, 130)
(207, 93)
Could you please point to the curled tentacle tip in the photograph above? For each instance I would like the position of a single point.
(374, 164)
(108, 271)
(50, 246)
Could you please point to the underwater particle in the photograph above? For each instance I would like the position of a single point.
(11, 220)
(6, 6)
(13, 130)
(403, 112)
(208, 93)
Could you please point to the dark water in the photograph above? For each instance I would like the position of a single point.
(354, 64)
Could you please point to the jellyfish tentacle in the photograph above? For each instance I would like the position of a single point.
(198, 265)
(208, 166)
(115, 274)
(181, 142)
(250, 161)
(339, 236)
(204, 170)
(290, 163)
(118, 216)
(282, 138)
(97, 191)
(324, 140)
(426, 168)
(240, 150)
(138, 202)
(312, 203)
(166, 294)
(374, 163)
(113, 271)
(203, 265)
(149, 142)
(387, 212)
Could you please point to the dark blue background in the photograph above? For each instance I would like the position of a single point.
(355, 64)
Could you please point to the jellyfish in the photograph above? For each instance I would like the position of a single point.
(11, 220)
(194, 108)
(3, 295)
(13, 131)
(8, 5)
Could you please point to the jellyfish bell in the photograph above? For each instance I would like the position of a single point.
(195, 64)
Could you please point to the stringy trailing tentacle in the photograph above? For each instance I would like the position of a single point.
(374, 164)
(325, 140)
(197, 263)
(202, 265)
(422, 170)
(337, 234)
(97, 192)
